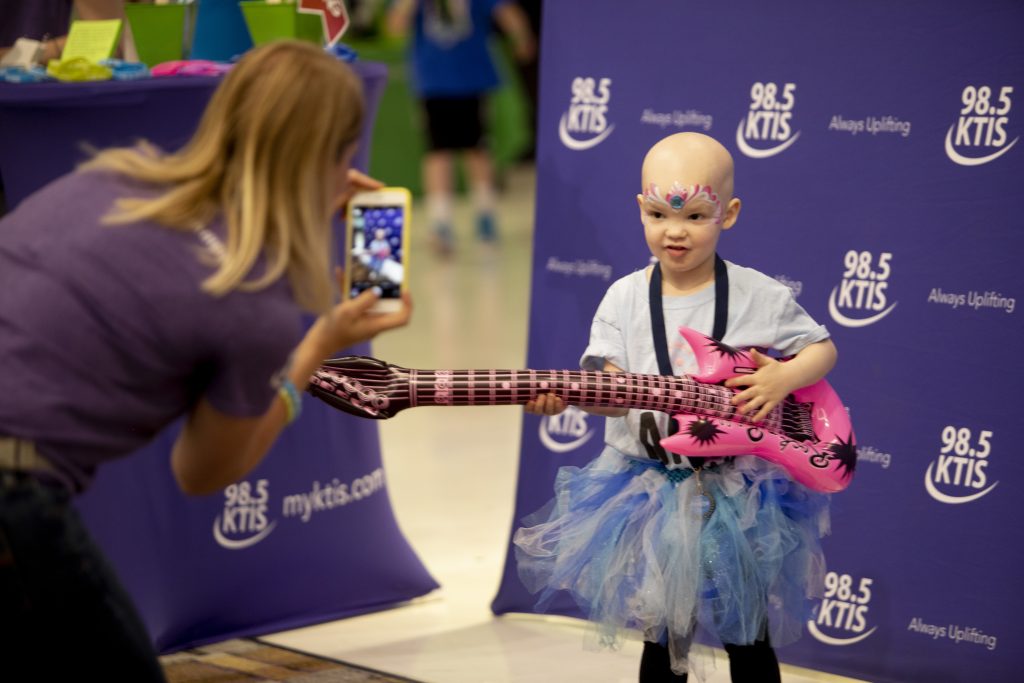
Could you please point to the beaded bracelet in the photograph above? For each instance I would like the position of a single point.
(292, 401)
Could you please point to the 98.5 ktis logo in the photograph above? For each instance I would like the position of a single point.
(980, 135)
(585, 123)
(843, 617)
(245, 520)
(767, 129)
(862, 297)
(566, 431)
(959, 474)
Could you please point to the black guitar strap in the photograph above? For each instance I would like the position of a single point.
(658, 319)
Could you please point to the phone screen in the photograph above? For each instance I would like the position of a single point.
(376, 252)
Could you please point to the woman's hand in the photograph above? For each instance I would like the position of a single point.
(357, 182)
(351, 321)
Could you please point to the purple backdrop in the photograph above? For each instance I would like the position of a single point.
(877, 158)
(309, 535)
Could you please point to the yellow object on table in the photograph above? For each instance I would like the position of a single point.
(93, 40)
(78, 69)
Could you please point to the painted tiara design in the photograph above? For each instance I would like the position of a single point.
(678, 196)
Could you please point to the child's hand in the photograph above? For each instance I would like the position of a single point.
(765, 388)
(773, 381)
(546, 404)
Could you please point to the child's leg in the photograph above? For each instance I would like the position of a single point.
(479, 165)
(437, 185)
(443, 137)
(655, 666)
(481, 175)
(754, 663)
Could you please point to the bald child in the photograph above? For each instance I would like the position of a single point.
(685, 203)
(664, 546)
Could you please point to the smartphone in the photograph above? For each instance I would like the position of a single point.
(377, 229)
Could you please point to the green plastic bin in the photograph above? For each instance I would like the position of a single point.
(273, 22)
(162, 33)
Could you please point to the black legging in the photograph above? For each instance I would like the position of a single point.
(754, 663)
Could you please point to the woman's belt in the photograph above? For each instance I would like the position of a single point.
(19, 455)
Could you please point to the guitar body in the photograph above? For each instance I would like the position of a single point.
(823, 461)
(809, 434)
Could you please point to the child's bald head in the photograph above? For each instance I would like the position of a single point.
(689, 159)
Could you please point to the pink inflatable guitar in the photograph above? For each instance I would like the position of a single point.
(809, 434)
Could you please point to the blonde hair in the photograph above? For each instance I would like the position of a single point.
(267, 146)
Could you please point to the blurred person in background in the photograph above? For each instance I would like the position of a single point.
(48, 21)
(451, 72)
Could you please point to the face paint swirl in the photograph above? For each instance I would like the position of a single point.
(679, 196)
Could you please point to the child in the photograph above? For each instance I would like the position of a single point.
(380, 250)
(452, 71)
(727, 545)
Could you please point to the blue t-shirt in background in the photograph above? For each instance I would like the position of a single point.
(450, 55)
(106, 336)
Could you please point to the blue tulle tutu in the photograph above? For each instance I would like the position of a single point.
(643, 553)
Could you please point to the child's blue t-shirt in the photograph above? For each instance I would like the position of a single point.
(450, 48)
(762, 313)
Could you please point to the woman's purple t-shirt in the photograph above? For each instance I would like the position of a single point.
(106, 336)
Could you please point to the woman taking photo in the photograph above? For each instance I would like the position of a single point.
(146, 287)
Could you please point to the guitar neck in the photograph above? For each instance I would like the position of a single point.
(669, 394)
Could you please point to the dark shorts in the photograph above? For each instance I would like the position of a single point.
(454, 122)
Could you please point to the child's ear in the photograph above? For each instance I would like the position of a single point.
(732, 212)
(640, 205)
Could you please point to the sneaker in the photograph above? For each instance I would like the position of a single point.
(486, 228)
(444, 240)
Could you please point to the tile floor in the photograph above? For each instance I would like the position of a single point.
(451, 473)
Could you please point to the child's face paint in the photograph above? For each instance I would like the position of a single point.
(700, 200)
(681, 228)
